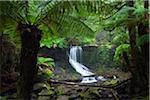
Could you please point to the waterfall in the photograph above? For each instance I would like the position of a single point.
(74, 53)
(80, 68)
(73, 60)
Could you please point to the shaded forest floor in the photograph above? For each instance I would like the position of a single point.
(112, 89)
(75, 90)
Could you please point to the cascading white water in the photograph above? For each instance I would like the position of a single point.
(80, 68)
(73, 52)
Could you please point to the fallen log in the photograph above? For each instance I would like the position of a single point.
(102, 87)
(90, 85)
(54, 82)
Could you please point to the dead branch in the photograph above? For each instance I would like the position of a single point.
(90, 85)
(77, 84)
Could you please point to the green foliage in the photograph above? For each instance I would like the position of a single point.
(120, 36)
(120, 18)
(3, 98)
(12, 33)
(101, 69)
(125, 16)
(52, 17)
(59, 18)
(87, 40)
(119, 50)
(45, 68)
(93, 21)
(77, 39)
(111, 82)
(143, 39)
(48, 61)
(105, 55)
(45, 74)
(49, 42)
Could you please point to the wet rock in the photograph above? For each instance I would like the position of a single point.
(63, 97)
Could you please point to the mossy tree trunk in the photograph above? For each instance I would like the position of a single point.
(30, 40)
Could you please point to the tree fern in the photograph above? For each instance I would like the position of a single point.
(122, 17)
(34, 12)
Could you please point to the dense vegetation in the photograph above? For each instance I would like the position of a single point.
(119, 30)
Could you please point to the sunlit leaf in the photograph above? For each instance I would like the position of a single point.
(48, 61)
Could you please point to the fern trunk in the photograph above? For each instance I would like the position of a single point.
(30, 39)
(143, 29)
(138, 84)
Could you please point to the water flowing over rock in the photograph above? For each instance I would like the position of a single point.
(73, 60)
(80, 68)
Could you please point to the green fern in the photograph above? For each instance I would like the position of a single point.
(119, 51)
(58, 41)
(55, 17)
(49, 61)
(121, 18)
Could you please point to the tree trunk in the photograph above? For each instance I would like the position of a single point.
(133, 67)
(135, 81)
(138, 82)
(143, 29)
(30, 40)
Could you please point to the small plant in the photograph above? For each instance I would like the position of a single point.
(45, 68)
(46, 61)
(119, 51)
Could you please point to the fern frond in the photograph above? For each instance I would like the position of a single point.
(47, 9)
(70, 25)
(124, 17)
